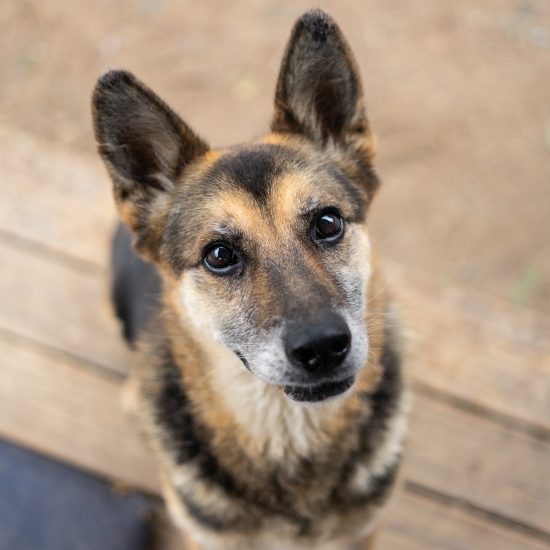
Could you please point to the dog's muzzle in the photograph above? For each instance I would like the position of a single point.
(316, 349)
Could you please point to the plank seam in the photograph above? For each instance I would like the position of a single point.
(25, 343)
(86, 267)
(465, 505)
(511, 422)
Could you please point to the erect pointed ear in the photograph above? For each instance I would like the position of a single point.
(145, 146)
(319, 91)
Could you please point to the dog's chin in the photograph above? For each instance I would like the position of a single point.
(320, 392)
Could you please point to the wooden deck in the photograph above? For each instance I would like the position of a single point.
(478, 460)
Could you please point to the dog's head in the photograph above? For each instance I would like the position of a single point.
(267, 241)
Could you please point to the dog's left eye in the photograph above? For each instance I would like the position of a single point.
(328, 226)
(220, 258)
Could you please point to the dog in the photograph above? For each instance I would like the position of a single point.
(268, 379)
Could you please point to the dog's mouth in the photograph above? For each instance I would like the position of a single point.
(320, 392)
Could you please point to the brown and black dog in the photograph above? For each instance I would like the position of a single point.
(268, 379)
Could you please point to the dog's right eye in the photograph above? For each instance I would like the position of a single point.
(328, 226)
(220, 259)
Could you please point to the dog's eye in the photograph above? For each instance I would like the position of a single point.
(329, 226)
(219, 258)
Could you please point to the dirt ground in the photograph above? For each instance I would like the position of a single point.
(458, 94)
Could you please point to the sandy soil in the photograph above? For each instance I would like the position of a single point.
(458, 94)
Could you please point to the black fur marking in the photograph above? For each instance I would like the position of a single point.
(136, 286)
(216, 522)
(318, 24)
(190, 441)
(379, 489)
(252, 169)
(382, 484)
(384, 401)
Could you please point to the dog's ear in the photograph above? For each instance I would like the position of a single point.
(145, 146)
(319, 91)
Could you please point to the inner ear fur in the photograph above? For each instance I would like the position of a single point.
(319, 95)
(145, 146)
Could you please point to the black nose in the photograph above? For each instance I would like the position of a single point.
(318, 346)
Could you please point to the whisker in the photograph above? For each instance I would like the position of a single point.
(238, 375)
(214, 370)
(396, 325)
(378, 314)
(377, 364)
(379, 292)
(374, 317)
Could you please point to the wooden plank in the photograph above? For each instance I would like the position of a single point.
(53, 198)
(71, 413)
(60, 307)
(479, 460)
(417, 523)
(474, 347)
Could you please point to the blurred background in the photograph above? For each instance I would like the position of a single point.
(458, 95)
